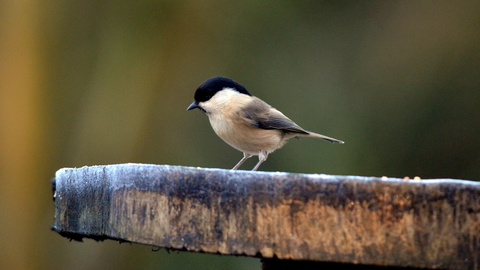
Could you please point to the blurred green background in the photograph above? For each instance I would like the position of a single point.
(104, 82)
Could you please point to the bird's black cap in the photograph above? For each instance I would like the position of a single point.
(211, 86)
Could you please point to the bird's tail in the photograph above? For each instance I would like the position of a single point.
(323, 137)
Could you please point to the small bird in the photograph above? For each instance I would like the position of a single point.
(244, 121)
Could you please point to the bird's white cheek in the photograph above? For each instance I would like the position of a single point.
(210, 107)
(222, 101)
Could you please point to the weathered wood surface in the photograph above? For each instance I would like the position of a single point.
(347, 219)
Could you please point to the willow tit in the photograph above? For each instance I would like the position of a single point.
(244, 121)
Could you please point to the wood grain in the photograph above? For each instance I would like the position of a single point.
(345, 219)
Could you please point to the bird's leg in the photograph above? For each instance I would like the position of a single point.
(262, 156)
(245, 157)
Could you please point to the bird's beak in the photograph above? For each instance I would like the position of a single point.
(192, 106)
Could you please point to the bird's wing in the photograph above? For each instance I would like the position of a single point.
(259, 114)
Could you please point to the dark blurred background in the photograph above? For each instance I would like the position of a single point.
(104, 82)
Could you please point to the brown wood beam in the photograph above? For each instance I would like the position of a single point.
(320, 218)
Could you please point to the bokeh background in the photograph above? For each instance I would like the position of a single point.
(105, 82)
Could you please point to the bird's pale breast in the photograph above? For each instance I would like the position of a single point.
(244, 137)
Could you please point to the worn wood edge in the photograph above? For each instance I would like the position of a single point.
(80, 235)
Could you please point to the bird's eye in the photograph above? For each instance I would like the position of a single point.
(202, 96)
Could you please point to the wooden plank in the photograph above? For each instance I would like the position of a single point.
(345, 219)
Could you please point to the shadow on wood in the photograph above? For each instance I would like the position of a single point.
(343, 219)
